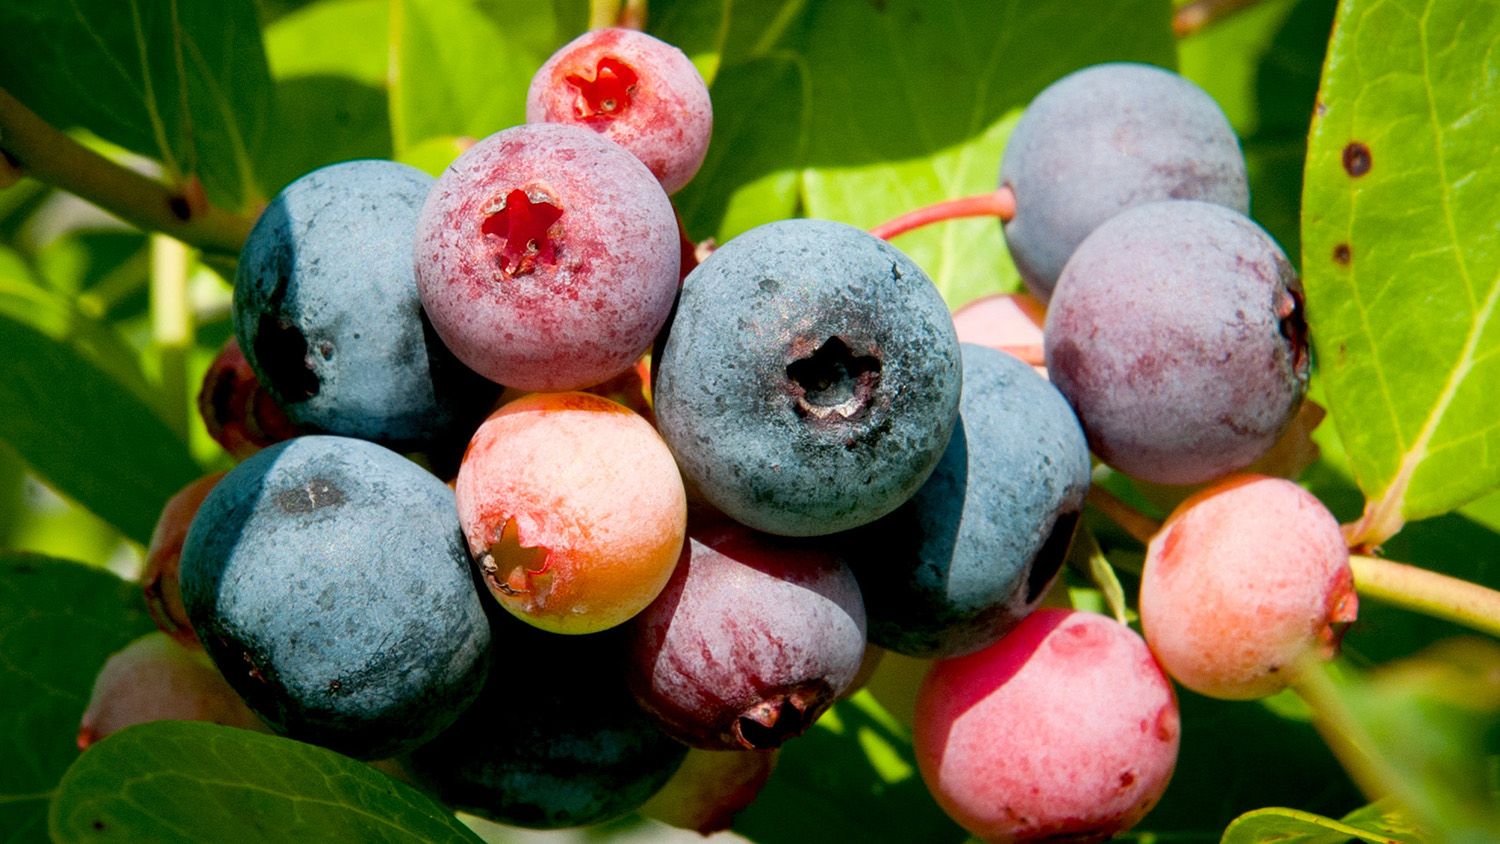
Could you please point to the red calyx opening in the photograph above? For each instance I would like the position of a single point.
(608, 93)
(523, 225)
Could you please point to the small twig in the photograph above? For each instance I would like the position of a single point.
(1199, 14)
(997, 203)
(633, 15)
(604, 13)
(1428, 592)
(51, 156)
(172, 325)
(1139, 525)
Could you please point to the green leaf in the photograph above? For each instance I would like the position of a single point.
(1423, 731)
(331, 104)
(72, 404)
(456, 70)
(181, 81)
(59, 621)
(1401, 254)
(751, 173)
(908, 103)
(853, 779)
(1289, 826)
(171, 781)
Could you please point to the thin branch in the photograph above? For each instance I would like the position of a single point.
(997, 203)
(43, 152)
(1200, 14)
(1428, 592)
(1139, 525)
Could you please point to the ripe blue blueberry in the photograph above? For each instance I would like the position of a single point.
(554, 739)
(327, 312)
(810, 378)
(972, 553)
(329, 581)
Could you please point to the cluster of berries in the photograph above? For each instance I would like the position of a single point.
(730, 483)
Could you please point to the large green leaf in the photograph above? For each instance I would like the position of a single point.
(852, 779)
(58, 623)
(462, 67)
(1401, 252)
(74, 406)
(908, 103)
(181, 81)
(331, 104)
(185, 781)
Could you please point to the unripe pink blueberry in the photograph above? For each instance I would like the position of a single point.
(156, 679)
(1065, 729)
(547, 258)
(1246, 580)
(636, 90)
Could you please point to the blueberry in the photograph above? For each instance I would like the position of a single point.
(554, 739)
(329, 581)
(327, 312)
(810, 379)
(1177, 334)
(1101, 140)
(972, 553)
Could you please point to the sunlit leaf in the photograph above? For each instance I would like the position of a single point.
(171, 781)
(181, 81)
(1402, 252)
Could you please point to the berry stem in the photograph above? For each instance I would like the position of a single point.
(1031, 355)
(40, 150)
(1201, 14)
(1140, 526)
(172, 325)
(1428, 592)
(997, 203)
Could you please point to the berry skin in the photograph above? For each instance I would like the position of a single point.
(753, 638)
(547, 257)
(810, 379)
(1176, 333)
(711, 788)
(327, 578)
(636, 90)
(1244, 581)
(237, 409)
(1010, 322)
(156, 679)
(1064, 730)
(573, 508)
(326, 311)
(976, 548)
(164, 560)
(1101, 140)
(554, 740)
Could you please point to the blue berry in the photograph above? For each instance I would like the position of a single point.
(327, 312)
(1105, 138)
(554, 739)
(810, 378)
(1177, 334)
(329, 581)
(972, 553)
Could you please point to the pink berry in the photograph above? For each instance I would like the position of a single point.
(160, 581)
(638, 91)
(1065, 729)
(156, 679)
(547, 258)
(1246, 580)
(574, 508)
(711, 788)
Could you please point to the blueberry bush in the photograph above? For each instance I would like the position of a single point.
(141, 140)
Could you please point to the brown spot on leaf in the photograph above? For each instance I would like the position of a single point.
(1342, 255)
(1357, 160)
